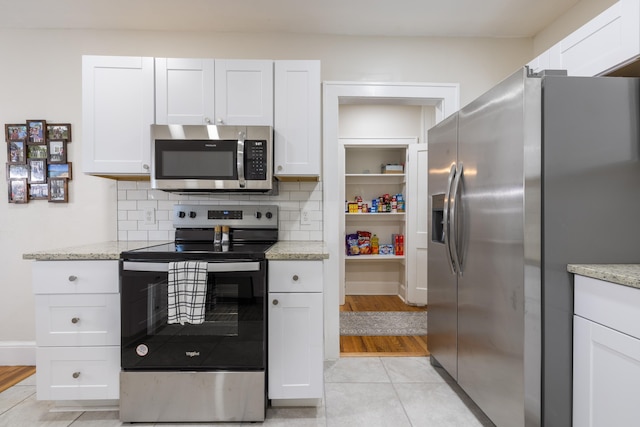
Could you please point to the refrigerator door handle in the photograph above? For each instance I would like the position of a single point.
(457, 257)
(446, 217)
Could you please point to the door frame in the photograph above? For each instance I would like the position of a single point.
(445, 97)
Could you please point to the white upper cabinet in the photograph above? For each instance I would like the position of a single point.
(118, 109)
(244, 92)
(607, 42)
(208, 91)
(297, 119)
(184, 91)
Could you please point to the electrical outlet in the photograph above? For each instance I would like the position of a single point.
(149, 216)
(305, 218)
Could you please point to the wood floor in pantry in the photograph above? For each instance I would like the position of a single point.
(378, 346)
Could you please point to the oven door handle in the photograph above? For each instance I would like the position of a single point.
(212, 267)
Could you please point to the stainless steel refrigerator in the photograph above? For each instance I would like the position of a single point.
(539, 172)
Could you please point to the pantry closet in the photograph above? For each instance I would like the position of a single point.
(374, 147)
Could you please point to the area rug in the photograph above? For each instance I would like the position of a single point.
(372, 323)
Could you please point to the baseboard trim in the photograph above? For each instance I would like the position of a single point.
(17, 353)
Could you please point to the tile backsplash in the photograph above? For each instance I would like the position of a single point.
(134, 197)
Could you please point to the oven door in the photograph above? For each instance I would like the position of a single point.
(232, 336)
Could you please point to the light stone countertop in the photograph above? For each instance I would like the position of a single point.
(96, 251)
(621, 274)
(298, 250)
(286, 250)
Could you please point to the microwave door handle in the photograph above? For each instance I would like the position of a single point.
(240, 159)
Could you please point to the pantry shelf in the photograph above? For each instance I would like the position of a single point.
(375, 257)
(375, 178)
(381, 216)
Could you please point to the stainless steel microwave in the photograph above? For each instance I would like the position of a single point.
(207, 158)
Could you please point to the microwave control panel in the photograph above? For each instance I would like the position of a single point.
(255, 160)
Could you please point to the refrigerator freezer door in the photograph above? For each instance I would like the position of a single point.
(491, 289)
(443, 288)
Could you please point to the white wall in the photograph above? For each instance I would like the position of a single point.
(570, 21)
(40, 79)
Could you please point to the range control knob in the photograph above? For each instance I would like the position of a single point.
(181, 214)
(258, 215)
(192, 214)
(269, 215)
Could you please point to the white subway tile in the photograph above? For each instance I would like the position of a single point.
(138, 235)
(160, 235)
(127, 205)
(137, 195)
(127, 185)
(127, 225)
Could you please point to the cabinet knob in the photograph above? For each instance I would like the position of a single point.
(73, 278)
(279, 168)
(145, 167)
(295, 277)
(76, 374)
(219, 121)
(275, 302)
(207, 120)
(75, 320)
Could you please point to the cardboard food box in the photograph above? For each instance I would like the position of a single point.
(390, 168)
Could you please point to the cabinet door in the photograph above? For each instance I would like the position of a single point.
(78, 320)
(297, 118)
(244, 92)
(295, 346)
(184, 91)
(117, 111)
(604, 43)
(78, 373)
(606, 374)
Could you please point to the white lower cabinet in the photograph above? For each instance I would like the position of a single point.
(295, 332)
(606, 354)
(77, 330)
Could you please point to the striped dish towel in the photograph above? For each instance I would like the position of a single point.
(187, 291)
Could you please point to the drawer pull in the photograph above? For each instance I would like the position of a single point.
(295, 277)
(75, 320)
(73, 278)
(76, 374)
(275, 302)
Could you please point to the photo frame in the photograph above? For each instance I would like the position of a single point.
(17, 191)
(39, 191)
(59, 170)
(57, 151)
(15, 132)
(17, 171)
(59, 131)
(37, 171)
(16, 152)
(36, 131)
(58, 190)
(37, 151)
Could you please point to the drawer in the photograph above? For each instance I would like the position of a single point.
(78, 320)
(295, 276)
(610, 304)
(77, 373)
(75, 277)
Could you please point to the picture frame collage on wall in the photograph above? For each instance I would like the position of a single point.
(37, 166)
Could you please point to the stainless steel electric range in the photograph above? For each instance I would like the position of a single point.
(211, 367)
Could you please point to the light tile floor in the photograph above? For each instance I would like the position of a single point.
(366, 391)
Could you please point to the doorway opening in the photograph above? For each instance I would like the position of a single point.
(374, 110)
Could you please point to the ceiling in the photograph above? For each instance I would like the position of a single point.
(446, 18)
